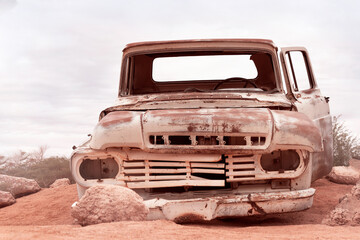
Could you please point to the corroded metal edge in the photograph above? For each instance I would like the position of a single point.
(230, 206)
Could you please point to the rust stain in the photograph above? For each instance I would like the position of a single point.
(309, 91)
(210, 120)
(191, 127)
(224, 126)
(117, 117)
(235, 129)
(257, 208)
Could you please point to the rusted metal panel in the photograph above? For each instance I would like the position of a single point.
(118, 129)
(117, 118)
(248, 120)
(226, 206)
(134, 129)
(294, 128)
(323, 160)
(195, 123)
(200, 100)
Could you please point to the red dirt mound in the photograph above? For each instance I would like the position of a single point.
(52, 207)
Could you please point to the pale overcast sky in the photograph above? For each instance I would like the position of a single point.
(60, 59)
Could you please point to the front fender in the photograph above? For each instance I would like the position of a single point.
(118, 129)
(297, 130)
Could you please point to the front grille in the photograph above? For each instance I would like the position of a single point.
(185, 170)
(159, 173)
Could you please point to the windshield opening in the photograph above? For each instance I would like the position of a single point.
(201, 72)
(213, 67)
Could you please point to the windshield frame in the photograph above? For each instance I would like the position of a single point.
(126, 75)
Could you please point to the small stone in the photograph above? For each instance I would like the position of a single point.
(339, 216)
(60, 183)
(6, 199)
(344, 175)
(18, 186)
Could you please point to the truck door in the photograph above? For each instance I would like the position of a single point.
(305, 94)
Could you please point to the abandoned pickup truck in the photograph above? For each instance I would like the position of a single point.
(210, 129)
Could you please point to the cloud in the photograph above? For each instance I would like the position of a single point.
(60, 60)
(6, 5)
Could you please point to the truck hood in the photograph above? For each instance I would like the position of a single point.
(257, 129)
(200, 100)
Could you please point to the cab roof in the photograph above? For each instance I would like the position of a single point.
(191, 42)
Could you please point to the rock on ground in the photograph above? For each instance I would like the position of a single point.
(6, 199)
(344, 175)
(60, 183)
(347, 212)
(18, 186)
(108, 203)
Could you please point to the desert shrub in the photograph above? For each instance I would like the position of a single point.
(356, 152)
(346, 145)
(45, 172)
(23, 158)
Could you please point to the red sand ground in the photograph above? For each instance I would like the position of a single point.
(46, 215)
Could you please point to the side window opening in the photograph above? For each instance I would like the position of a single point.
(298, 71)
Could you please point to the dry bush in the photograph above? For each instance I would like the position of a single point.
(356, 154)
(44, 172)
(346, 146)
(23, 158)
(34, 166)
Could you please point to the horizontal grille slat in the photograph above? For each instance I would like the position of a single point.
(238, 179)
(179, 170)
(242, 173)
(211, 171)
(163, 177)
(208, 165)
(167, 164)
(240, 166)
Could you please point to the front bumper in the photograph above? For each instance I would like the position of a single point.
(230, 206)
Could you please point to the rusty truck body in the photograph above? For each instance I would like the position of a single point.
(212, 128)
